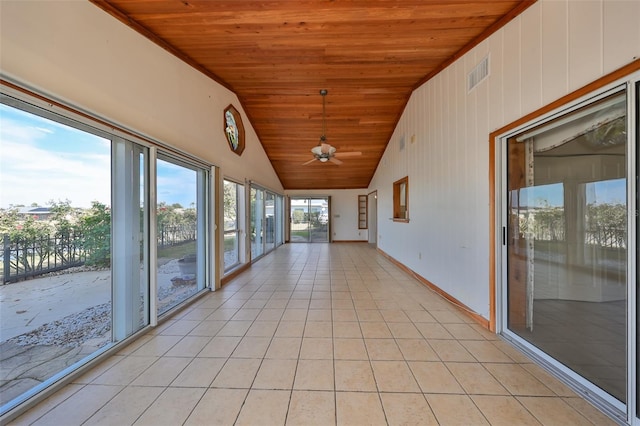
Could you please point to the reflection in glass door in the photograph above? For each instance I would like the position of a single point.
(309, 220)
(567, 241)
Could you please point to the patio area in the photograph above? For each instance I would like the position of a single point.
(53, 321)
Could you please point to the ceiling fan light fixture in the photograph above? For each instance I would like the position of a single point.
(324, 152)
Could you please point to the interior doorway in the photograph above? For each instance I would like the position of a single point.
(310, 220)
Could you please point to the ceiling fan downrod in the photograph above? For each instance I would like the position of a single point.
(323, 137)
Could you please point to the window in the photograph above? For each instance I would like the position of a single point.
(401, 200)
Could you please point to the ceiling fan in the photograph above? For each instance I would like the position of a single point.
(324, 152)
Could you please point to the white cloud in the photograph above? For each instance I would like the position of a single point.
(42, 160)
(31, 174)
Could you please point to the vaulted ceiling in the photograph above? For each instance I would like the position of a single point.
(277, 55)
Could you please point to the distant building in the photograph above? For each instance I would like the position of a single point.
(37, 213)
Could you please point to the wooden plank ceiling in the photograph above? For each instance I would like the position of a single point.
(277, 56)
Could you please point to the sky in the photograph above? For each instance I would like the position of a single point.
(42, 161)
(176, 184)
(602, 192)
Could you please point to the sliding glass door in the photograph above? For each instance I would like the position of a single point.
(309, 220)
(266, 221)
(182, 232)
(74, 225)
(566, 242)
(88, 262)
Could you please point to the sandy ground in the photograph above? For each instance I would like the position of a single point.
(26, 305)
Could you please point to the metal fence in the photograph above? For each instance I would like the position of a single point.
(174, 235)
(613, 237)
(23, 258)
(607, 236)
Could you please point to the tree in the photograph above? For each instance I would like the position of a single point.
(64, 218)
(298, 216)
(95, 224)
(230, 203)
(607, 224)
(30, 235)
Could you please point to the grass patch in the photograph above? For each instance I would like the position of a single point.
(178, 251)
(229, 242)
(303, 234)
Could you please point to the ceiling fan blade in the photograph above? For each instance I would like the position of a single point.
(335, 160)
(348, 154)
(309, 162)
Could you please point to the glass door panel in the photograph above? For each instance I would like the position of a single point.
(567, 241)
(129, 242)
(319, 220)
(269, 220)
(181, 231)
(56, 226)
(279, 220)
(299, 219)
(231, 226)
(257, 223)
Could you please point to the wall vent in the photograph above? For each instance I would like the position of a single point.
(478, 74)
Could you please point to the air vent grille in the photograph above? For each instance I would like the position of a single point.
(478, 74)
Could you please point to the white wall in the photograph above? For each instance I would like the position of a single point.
(552, 49)
(74, 51)
(344, 212)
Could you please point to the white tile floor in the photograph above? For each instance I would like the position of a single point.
(317, 334)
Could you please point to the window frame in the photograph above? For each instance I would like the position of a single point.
(400, 192)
